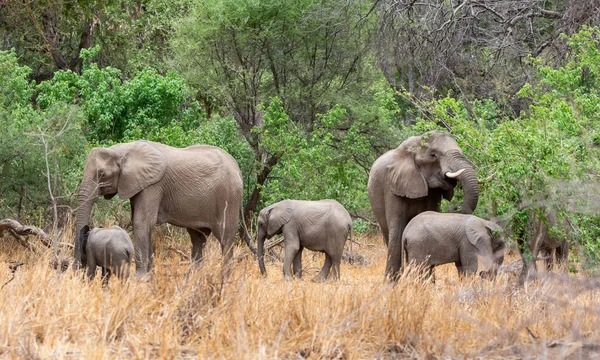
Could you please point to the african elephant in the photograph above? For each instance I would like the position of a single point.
(198, 188)
(110, 248)
(432, 238)
(414, 178)
(542, 241)
(320, 225)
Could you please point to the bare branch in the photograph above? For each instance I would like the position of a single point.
(15, 228)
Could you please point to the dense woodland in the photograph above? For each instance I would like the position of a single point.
(306, 95)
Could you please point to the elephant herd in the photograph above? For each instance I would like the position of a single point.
(200, 188)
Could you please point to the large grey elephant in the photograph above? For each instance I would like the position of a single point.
(198, 188)
(545, 242)
(109, 248)
(322, 225)
(432, 238)
(414, 178)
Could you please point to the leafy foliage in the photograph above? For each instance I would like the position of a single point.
(547, 160)
(24, 176)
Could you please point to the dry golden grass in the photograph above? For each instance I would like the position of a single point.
(194, 313)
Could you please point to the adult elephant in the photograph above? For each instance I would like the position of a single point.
(198, 188)
(414, 178)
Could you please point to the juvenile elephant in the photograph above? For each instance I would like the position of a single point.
(320, 225)
(542, 242)
(198, 188)
(433, 238)
(414, 178)
(110, 248)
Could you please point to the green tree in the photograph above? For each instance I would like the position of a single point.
(547, 160)
(309, 54)
(40, 151)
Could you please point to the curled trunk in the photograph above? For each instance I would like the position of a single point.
(468, 179)
(261, 251)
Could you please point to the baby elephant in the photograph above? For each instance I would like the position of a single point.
(320, 225)
(433, 238)
(110, 248)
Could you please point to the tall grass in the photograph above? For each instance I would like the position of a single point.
(205, 312)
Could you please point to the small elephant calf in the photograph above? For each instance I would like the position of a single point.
(110, 248)
(322, 225)
(433, 238)
(542, 241)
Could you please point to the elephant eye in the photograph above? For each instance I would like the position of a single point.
(433, 155)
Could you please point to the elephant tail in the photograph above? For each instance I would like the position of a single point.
(403, 255)
(244, 232)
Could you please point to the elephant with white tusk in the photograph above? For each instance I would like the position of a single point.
(414, 178)
(322, 225)
(198, 188)
(109, 248)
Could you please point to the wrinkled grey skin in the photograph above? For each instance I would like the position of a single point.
(542, 245)
(322, 225)
(433, 238)
(198, 188)
(109, 248)
(413, 178)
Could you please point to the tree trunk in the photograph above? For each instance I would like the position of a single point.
(260, 181)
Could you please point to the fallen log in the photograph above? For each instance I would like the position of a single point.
(17, 231)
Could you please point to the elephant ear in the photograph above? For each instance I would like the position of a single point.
(495, 231)
(403, 175)
(84, 233)
(279, 215)
(479, 235)
(141, 166)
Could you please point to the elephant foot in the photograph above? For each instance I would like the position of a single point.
(288, 278)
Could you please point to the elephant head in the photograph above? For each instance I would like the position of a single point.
(270, 222)
(123, 169)
(488, 238)
(432, 160)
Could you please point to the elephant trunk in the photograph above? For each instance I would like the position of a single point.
(498, 260)
(88, 192)
(244, 232)
(261, 251)
(468, 179)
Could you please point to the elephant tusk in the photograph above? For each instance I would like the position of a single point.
(454, 175)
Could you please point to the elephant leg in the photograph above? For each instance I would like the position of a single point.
(395, 248)
(144, 218)
(468, 264)
(150, 254)
(298, 263)
(386, 234)
(458, 268)
(105, 276)
(292, 246)
(91, 271)
(335, 266)
(322, 275)
(198, 242)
